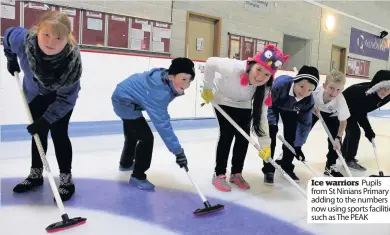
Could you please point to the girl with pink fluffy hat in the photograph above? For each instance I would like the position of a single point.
(241, 89)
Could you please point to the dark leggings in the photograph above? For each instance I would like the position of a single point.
(138, 146)
(290, 120)
(226, 134)
(58, 131)
(351, 140)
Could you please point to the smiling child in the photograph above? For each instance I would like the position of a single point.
(151, 91)
(51, 62)
(239, 88)
(331, 104)
(293, 101)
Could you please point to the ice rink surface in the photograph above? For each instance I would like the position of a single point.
(112, 206)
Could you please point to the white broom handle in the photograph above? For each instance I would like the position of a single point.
(197, 188)
(39, 146)
(376, 154)
(333, 144)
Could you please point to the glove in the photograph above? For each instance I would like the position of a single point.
(13, 65)
(265, 153)
(38, 126)
(207, 95)
(181, 160)
(370, 135)
(299, 154)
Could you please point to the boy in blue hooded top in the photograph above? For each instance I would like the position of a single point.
(293, 101)
(150, 91)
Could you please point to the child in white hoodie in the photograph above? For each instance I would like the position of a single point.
(240, 88)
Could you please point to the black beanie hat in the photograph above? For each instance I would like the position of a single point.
(182, 65)
(309, 73)
(380, 80)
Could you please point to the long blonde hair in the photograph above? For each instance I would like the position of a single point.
(60, 23)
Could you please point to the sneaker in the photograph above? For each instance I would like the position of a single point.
(142, 184)
(34, 180)
(123, 168)
(269, 178)
(238, 180)
(333, 171)
(293, 176)
(355, 166)
(221, 184)
(28, 184)
(66, 188)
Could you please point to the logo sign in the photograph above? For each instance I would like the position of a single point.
(367, 44)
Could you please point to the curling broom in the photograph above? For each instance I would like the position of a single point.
(66, 222)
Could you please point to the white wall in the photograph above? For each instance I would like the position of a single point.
(297, 49)
(102, 72)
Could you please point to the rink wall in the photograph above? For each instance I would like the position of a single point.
(93, 114)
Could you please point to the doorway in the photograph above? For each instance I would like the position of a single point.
(338, 58)
(203, 36)
(299, 51)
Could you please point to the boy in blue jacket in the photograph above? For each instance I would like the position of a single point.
(291, 99)
(150, 91)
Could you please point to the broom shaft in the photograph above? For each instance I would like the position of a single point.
(333, 143)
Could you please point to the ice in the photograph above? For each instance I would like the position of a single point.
(96, 158)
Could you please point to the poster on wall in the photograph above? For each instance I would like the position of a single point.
(93, 28)
(33, 12)
(247, 48)
(140, 35)
(241, 47)
(260, 44)
(358, 67)
(367, 44)
(74, 17)
(10, 14)
(161, 37)
(118, 31)
(234, 47)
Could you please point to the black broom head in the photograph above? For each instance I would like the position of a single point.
(208, 210)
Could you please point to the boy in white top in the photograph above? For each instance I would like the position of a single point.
(330, 102)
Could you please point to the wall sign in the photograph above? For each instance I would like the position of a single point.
(367, 44)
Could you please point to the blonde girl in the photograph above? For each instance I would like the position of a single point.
(50, 60)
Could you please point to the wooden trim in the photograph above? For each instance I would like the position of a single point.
(187, 33)
(217, 32)
(345, 59)
(217, 38)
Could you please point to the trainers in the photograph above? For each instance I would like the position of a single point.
(355, 166)
(221, 184)
(269, 178)
(142, 184)
(238, 180)
(66, 188)
(333, 171)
